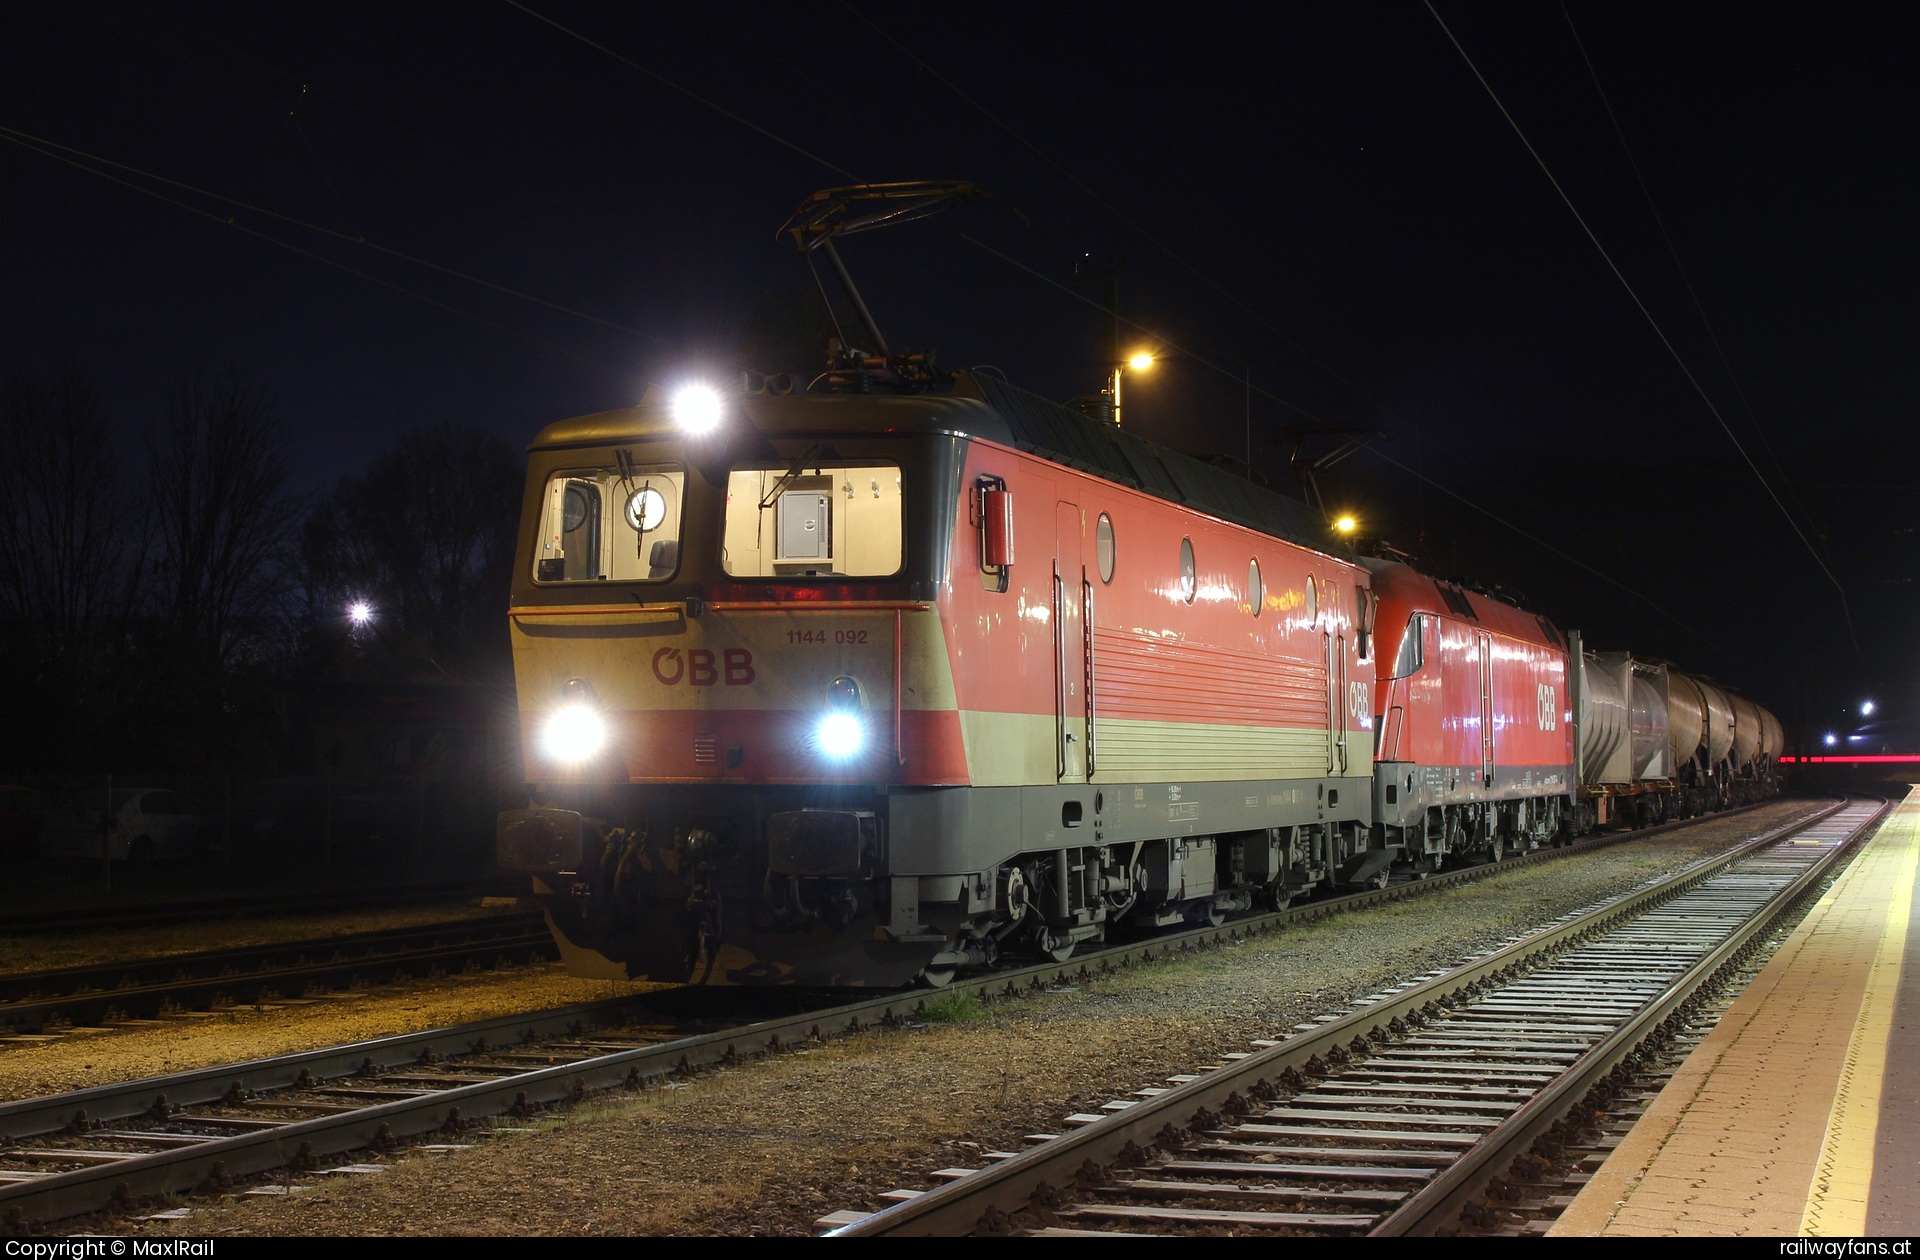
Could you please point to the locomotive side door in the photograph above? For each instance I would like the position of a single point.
(1485, 645)
(1340, 706)
(1070, 646)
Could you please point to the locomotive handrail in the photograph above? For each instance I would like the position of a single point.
(638, 612)
(662, 612)
(1086, 623)
(1061, 734)
(819, 605)
(899, 668)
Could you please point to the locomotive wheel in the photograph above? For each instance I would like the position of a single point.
(1209, 914)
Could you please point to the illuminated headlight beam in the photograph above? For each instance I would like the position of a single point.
(840, 736)
(575, 733)
(697, 409)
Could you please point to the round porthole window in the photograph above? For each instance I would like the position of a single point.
(1311, 604)
(1103, 547)
(1188, 583)
(573, 509)
(646, 508)
(1256, 593)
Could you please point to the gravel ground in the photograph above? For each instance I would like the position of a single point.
(44, 951)
(768, 1147)
(127, 1054)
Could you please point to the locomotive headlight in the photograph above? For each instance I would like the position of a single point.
(842, 733)
(697, 409)
(575, 733)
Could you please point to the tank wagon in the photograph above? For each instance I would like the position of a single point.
(1655, 744)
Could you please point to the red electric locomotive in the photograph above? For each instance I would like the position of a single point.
(846, 689)
(1476, 750)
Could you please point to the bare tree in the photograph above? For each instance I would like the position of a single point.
(426, 534)
(64, 535)
(223, 517)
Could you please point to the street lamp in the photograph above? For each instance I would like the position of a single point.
(360, 613)
(1866, 708)
(1139, 362)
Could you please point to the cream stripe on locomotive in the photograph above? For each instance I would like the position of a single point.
(1134, 751)
(1017, 749)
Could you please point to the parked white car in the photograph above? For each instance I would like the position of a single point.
(142, 825)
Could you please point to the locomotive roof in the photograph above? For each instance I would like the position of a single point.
(991, 409)
(1392, 579)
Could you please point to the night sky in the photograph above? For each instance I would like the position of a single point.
(1324, 200)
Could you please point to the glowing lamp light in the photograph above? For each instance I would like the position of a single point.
(840, 735)
(575, 733)
(697, 409)
(1140, 362)
(1866, 709)
(360, 612)
(1346, 525)
(1832, 739)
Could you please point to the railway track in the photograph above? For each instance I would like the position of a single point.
(38, 1004)
(1401, 1117)
(205, 909)
(114, 1146)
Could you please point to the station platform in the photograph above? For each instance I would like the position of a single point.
(1800, 1113)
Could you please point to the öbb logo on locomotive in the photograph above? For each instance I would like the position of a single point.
(697, 667)
(878, 678)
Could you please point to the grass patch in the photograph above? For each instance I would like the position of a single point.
(955, 1007)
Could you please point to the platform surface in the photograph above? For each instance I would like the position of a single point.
(1800, 1113)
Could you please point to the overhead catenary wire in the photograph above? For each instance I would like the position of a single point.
(14, 138)
(1217, 287)
(1653, 323)
(1082, 298)
(1640, 595)
(1147, 235)
(1693, 293)
(349, 237)
(837, 169)
(689, 93)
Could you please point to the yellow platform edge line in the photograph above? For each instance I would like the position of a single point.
(1837, 1198)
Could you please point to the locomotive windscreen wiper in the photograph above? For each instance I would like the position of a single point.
(786, 478)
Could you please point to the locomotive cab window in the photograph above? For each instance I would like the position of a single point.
(619, 524)
(816, 521)
(1412, 651)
